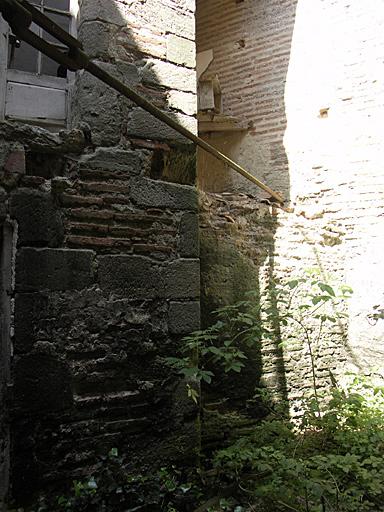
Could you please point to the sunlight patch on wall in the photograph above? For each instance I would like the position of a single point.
(334, 99)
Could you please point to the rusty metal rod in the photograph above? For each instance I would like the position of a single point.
(50, 26)
(19, 14)
(162, 116)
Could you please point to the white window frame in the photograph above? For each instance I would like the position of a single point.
(21, 78)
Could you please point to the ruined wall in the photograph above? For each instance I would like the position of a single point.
(306, 75)
(102, 269)
(150, 46)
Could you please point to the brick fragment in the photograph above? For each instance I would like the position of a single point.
(75, 200)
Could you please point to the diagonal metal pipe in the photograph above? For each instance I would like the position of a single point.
(20, 13)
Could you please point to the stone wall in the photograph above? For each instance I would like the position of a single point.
(306, 78)
(150, 46)
(100, 268)
(105, 280)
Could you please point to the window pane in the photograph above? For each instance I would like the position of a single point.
(23, 57)
(61, 20)
(62, 5)
(52, 68)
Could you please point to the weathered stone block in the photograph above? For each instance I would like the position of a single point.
(100, 10)
(158, 72)
(160, 194)
(181, 279)
(53, 269)
(139, 277)
(29, 307)
(184, 317)
(41, 383)
(187, 5)
(96, 39)
(38, 218)
(98, 105)
(184, 101)
(134, 276)
(143, 124)
(135, 39)
(128, 73)
(102, 108)
(115, 159)
(181, 51)
(189, 235)
(165, 18)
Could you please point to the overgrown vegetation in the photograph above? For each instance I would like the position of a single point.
(293, 314)
(113, 488)
(333, 461)
(330, 461)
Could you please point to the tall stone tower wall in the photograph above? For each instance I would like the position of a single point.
(99, 261)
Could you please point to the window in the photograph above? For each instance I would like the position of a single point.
(34, 88)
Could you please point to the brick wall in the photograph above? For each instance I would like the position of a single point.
(251, 45)
(307, 77)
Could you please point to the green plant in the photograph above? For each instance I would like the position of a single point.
(113, 487)
(293, 312)
(306, 306)
(217, 344)
(331, 462)
(332, 465)
(334, 460)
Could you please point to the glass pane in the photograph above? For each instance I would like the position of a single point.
(21, 55)
(61, 20)
(62, 5)
(52, 68)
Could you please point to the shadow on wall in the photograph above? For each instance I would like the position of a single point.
(86, 366)
(314, 136)
(140, 44)
(251, 44)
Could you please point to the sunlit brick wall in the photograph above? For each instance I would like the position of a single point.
(308, 77)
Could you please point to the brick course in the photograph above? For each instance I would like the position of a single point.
(306, 76)
(102, 271)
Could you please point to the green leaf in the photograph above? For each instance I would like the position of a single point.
(206, 376)
(190, 372)
(177, 362)
(327, 289)
(215, 350)
(113, 452)
(192, 393)
(346, 290)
